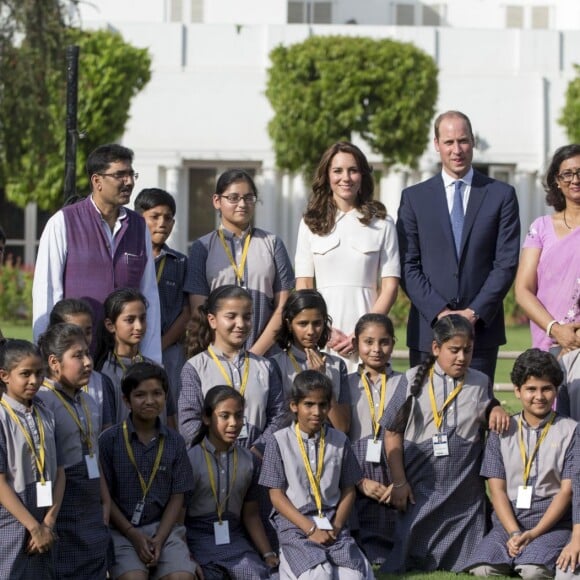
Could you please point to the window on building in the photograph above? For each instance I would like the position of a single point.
(405, 15)
(196, 11)
(540, 17)
(433, 15)
(309, 12)
(514, 17)
(202, 216)
(176, 11)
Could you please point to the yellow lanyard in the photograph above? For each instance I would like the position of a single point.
(438, 414)
(38, 457)
(220, 506)
(314, 480)
(238, 270)
(375, 417)
(86, 436)
(528, 461)
(138, 358)
(294, 362)
(225, 373)
(144, 488)
(161, 267)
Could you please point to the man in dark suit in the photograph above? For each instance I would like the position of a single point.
(459, 240)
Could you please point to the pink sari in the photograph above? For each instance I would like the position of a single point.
(558, 275)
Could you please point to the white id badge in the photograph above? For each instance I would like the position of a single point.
(524, 500)
(43, 494)
(92, 466)
(136, 518)
(322, 523)
(440, 445)
(221, 532)
(243, 435)
(373, 451)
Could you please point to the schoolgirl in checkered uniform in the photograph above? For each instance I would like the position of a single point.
(28, 468)
(118, 341)
(371, 388)
(305, 330)
(311, 473)
(220, 358)
(79, 312)
(83, 533)
(224, 509)
(434, 440)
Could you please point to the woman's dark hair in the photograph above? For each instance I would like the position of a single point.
(296, 303)
(57, 340)
(370, 319)
(69, 307)
(554, 195)
(200, 340)
(140, 372)
(445, 329)
(321, 210)
(536, 363)
(12, 351)
(308, 381)
(113, 307)
(234, 176)
(213, 398)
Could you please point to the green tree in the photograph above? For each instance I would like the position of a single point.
(570, 118)
(111, 73)
(328, 87)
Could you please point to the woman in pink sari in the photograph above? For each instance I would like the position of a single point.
(548, 280)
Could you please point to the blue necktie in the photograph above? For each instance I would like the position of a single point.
(457, 216)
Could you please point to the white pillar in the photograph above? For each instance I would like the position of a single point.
(392, 184)
(530, 197)
(30, 222)
(175, 186)
(269, 202)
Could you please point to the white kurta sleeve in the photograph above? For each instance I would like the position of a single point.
(47, 285)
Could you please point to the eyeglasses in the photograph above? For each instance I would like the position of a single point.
(235, 198)
(122, 175)
(568, 176)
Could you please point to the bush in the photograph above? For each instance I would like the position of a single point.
(15, 292)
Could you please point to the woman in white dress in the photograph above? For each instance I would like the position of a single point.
(347, 245)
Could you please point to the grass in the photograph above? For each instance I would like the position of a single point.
(23, 331)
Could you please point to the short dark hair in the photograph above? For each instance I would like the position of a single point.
(140, 372)
(100, 159)
(308, 381)
(154, 197)
(536, 363)
(457, 114)
(68, 307)
(554, 195)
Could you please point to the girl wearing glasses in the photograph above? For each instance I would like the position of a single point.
(240, 254)
(548, 280)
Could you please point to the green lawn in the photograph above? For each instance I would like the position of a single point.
(16, 331)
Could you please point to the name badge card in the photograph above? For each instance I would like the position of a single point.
(43, 494)
(244, 432)
(136, 518)
(440, 445)
(221, 532)
(524, 499)
(374, 450)
(322, 523)
(92, 466)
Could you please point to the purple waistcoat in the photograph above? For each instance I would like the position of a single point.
(89, 271)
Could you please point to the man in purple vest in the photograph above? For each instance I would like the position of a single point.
(95, 246)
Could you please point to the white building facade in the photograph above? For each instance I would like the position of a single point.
(505, 64)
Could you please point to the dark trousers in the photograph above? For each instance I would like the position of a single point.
(484, 359)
